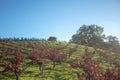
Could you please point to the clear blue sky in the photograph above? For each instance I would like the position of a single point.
(59, 18)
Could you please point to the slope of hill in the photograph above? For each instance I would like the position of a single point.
(49, 60)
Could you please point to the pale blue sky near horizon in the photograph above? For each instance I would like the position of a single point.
(59, 18)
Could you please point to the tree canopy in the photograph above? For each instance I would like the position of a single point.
(113, 43)
(52, 38)
(90, 35)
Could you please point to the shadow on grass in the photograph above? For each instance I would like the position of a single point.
(28, 72)
(6, 75)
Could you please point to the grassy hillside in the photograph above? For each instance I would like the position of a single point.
(43, 60)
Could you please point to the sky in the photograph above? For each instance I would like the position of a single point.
(59, 18)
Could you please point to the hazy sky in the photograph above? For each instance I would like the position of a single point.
(59, 18)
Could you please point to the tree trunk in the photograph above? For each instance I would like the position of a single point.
(16, 75)
(41, 68)
(54, 64)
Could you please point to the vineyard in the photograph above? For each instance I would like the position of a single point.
(52, 60)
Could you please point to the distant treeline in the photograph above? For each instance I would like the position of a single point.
(21, 39)
(51, 38)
